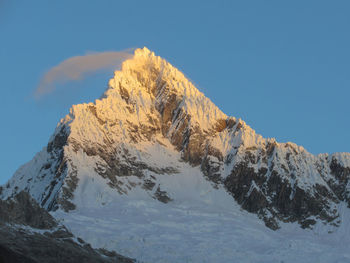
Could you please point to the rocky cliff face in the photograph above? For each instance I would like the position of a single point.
(30, 234)
(130, 139)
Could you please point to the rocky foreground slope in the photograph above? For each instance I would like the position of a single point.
(154, 136)
(29, 234)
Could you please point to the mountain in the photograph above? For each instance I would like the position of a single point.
(155, 145)
(29, 234)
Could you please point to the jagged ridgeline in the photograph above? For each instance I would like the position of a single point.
(151, 126)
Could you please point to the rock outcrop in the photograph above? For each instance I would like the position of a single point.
(29, 234)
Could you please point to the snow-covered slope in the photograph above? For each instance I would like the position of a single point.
(156, 143)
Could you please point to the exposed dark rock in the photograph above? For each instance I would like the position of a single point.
(148, 184)
(20, 242)
(220, 125)
(265, 191)
(121, 164)
(67, 190)
(92, 109)
(124, 94)
(194, 150)
(230, 122)
(341, 179)
(162, 196)
(8, 255)
(23, 210)
(22, 245)
(58, 167)
(58, 141)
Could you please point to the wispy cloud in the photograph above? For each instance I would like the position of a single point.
(76, 68)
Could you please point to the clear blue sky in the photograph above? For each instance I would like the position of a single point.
(282, 66)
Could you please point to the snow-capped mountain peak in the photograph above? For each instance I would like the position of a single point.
(154, 134)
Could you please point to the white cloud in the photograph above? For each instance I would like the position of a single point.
(76, 68)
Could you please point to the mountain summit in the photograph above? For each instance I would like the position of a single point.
(154, 136)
